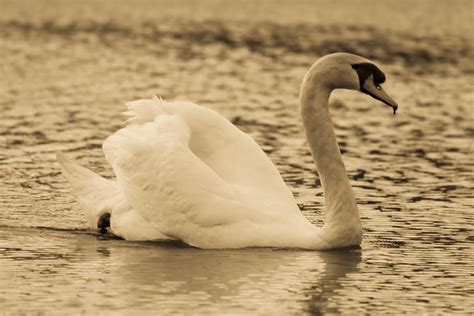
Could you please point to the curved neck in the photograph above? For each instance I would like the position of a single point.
(341, 207)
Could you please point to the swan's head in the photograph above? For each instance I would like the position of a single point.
(349, 71)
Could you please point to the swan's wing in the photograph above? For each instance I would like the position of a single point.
(168, 184)
(229, 152)
(95, 194)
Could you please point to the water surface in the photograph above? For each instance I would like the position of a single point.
(67, 71)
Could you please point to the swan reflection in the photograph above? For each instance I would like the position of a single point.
(285, 280)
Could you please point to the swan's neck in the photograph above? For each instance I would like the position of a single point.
(341, 207)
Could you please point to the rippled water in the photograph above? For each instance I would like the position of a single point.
(66, 77)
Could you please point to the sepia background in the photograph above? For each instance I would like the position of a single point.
(68, 67)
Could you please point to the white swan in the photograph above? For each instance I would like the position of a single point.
(185, 172)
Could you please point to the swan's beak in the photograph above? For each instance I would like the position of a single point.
(377, 92)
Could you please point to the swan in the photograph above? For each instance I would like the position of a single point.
(184, 172)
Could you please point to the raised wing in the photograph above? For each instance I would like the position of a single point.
(233, 155)
(166, 183)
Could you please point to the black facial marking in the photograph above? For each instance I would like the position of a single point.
(103, 223)
(364, 70)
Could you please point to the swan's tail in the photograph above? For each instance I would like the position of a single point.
(95, 194)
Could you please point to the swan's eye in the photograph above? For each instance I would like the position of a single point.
(378, 87)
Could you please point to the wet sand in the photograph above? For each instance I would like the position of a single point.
(67, 72)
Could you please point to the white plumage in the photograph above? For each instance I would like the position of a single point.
(185, 172)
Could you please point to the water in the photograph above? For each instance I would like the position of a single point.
(67, 71)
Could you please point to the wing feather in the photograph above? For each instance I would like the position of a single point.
(165, 181)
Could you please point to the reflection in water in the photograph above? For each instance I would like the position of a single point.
(112, 274)
(338, 264)
(232, 277)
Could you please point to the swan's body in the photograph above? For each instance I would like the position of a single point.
(185, 172)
